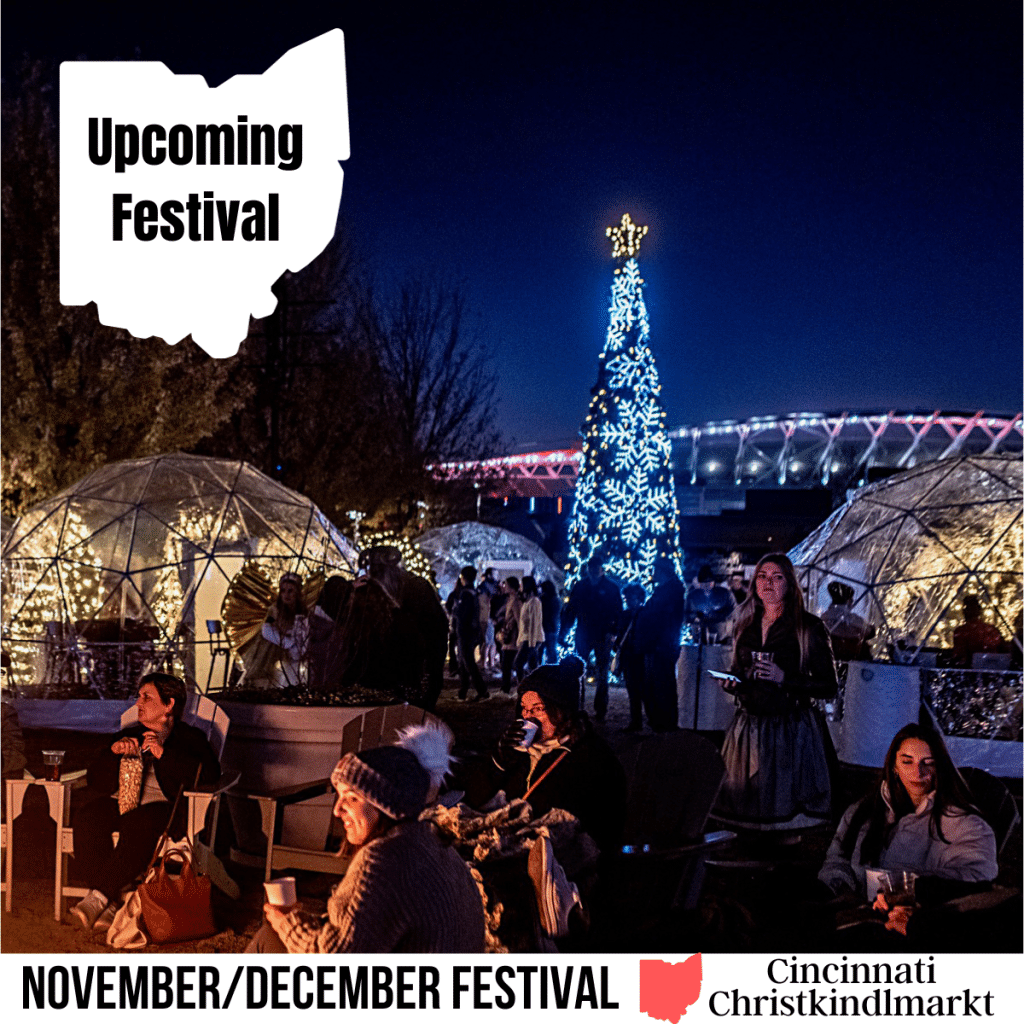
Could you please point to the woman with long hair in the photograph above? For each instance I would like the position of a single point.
(778, 754)
(276, 656)
(919, 817)
(531, 629)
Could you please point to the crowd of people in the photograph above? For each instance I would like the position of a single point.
(406, 890)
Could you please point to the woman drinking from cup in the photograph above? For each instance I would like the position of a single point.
(919, 820)
(566, 764)
(778, 754)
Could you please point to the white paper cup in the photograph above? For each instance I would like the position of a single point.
(281, 892)
(530, 728)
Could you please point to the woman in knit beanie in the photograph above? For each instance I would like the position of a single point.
(567, 764)
(404, 892)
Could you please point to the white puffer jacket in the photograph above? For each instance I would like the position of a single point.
(968, 853)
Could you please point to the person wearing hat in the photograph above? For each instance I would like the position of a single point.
(404, 892)
(567, 764)
(708, 603)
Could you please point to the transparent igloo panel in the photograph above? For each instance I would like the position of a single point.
(914, 545)
(946, 484)
(124, 556)
(863, 523)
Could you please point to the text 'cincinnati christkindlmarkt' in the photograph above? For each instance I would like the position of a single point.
(825, 998)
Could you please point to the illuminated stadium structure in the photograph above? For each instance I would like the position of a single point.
(796, 450)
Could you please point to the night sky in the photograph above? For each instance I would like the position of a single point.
(832, 189)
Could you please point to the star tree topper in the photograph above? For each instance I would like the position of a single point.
(626, 237)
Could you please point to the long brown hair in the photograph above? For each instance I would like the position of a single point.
(793, 603)
(951, 794)
(284, 617)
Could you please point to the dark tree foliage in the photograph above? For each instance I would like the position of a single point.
(349, 397)
(438, 394)
(313, 419)
(358, 399)
(77, 394)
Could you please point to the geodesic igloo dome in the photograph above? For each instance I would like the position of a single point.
(471, 543)
(136, 557)
(914, 545)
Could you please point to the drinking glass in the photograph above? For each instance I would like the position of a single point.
(52, 760)
(898, 887)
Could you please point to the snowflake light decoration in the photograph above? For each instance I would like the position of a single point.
(625, 506)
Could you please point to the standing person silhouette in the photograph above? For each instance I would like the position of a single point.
(778, 754)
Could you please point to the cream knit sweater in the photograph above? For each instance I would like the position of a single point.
(404, 892)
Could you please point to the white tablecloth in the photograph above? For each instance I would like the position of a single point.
(881, 699)
(714, 708)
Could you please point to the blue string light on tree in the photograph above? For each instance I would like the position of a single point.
(625, 505)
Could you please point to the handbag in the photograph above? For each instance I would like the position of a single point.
(177, 908)
(126, 931)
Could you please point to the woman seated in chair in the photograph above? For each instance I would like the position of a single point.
(919, 818)
(404, 891)
(567, 764)
(173, 756)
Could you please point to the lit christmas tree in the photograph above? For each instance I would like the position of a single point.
(625, 510)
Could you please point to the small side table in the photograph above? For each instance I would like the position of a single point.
(58, 796)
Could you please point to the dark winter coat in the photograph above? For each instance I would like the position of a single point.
(466, 615)
(186, 751)
(595, 607)
(588, 782)
(816, 679)
(660, 621)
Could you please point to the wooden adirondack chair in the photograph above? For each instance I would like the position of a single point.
(375, 727)
(673, 781)
(209, 716)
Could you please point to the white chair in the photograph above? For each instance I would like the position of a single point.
(58, 797)
(208, 716)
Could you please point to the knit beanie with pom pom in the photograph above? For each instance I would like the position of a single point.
(390, 778)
